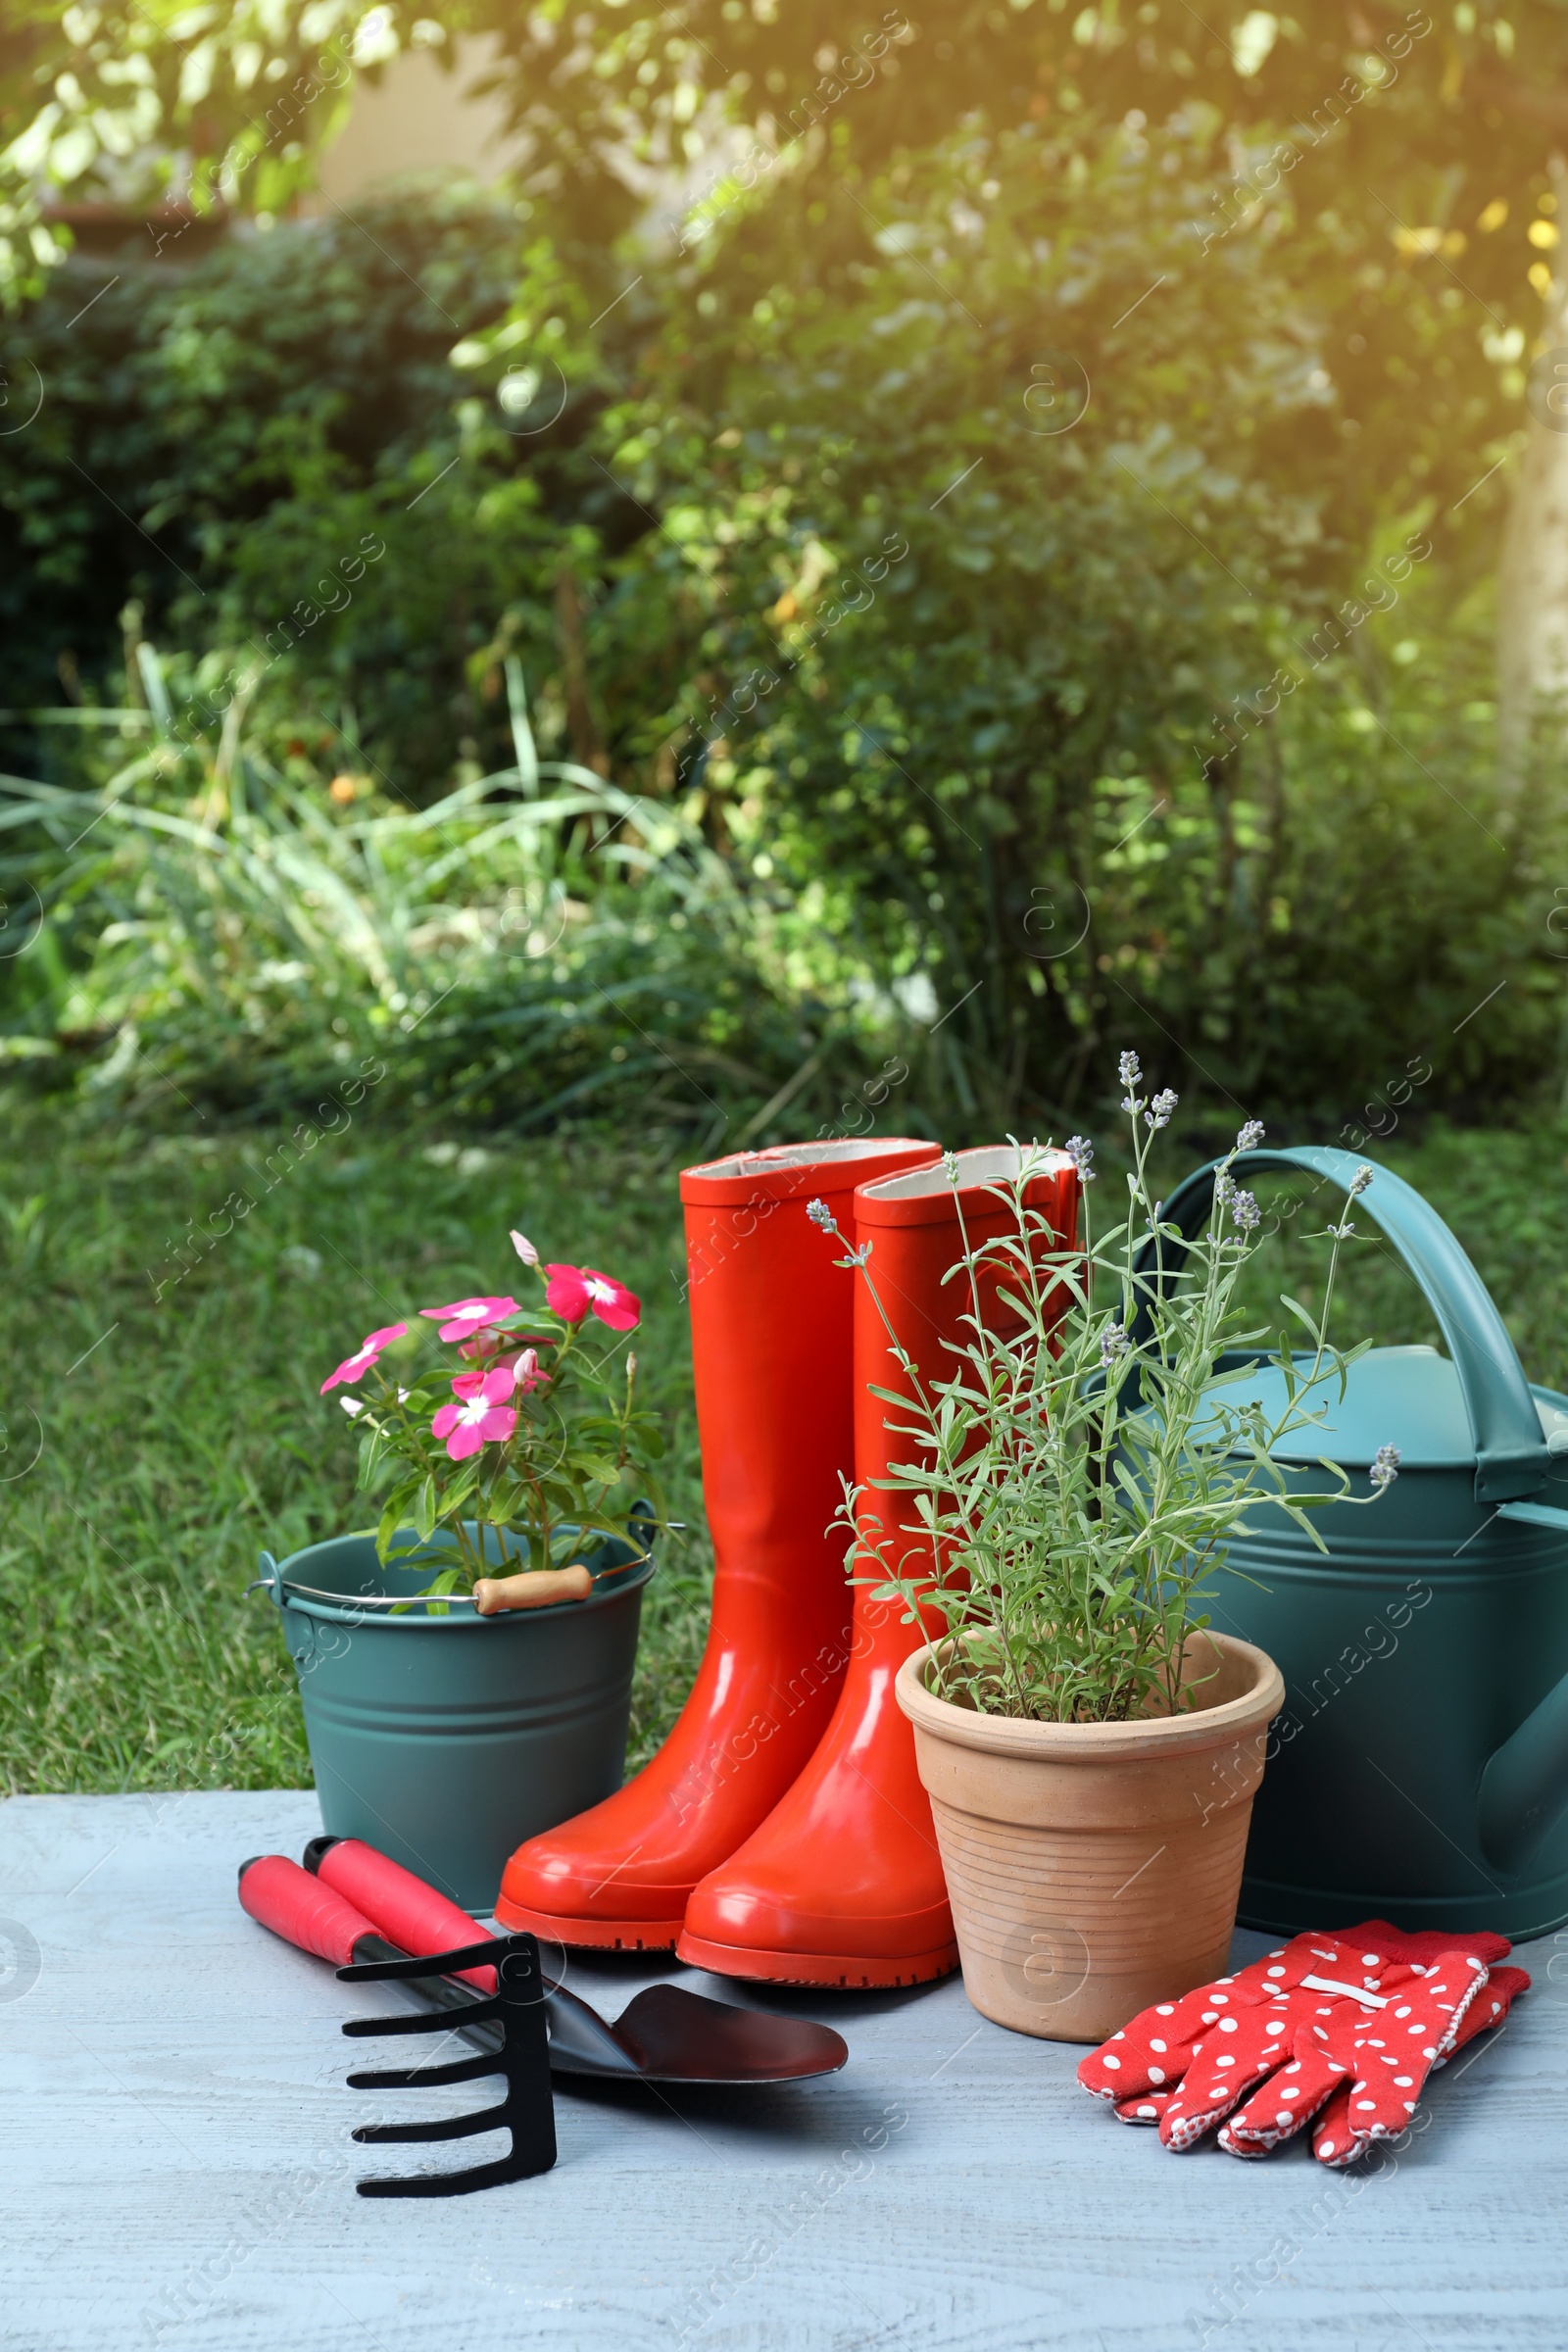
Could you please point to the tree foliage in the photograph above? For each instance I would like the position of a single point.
(1028, 492)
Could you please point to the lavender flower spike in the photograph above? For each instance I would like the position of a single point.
(1113, 1344)
(1245, 1211)
(1251, 1136)
(1129, 1071)
(1158, 1112)
(820, 1214)
(1081, 1152)
(1360, 1180)
(1385, 1467)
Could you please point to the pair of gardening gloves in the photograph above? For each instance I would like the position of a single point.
(1342, 2027)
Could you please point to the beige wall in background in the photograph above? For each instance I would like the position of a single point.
(421, 119)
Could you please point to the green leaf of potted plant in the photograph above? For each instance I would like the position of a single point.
(1089, 1743)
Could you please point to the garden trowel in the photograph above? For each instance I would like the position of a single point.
(665, 2034)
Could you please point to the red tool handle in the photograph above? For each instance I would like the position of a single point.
(403, 1908)
(299, 1909)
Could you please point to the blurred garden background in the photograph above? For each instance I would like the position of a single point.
(584, 586)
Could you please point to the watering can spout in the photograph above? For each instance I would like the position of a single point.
(1524, 1788)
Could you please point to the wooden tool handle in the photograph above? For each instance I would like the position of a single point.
(535, 1588)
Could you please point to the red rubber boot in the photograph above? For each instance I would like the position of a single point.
(843, 1883)
(773, 1319)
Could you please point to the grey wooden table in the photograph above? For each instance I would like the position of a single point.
(178, 2172)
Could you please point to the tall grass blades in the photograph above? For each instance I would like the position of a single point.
(539, 943)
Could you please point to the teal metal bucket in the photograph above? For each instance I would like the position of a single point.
(445, 1741)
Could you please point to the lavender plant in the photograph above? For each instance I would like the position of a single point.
(1076, 1479)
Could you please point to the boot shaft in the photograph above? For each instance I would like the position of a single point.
(920, 1225)
(772, 1320)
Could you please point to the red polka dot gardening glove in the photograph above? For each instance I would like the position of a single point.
(1346, 2027)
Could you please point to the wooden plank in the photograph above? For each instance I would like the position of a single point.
(178, 2172)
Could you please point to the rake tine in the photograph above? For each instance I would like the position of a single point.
(422, 2021)
(416, 2078)
(436, 1963)
(445, 2184)
(446, 2127)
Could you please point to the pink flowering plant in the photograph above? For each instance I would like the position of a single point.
(531, 1430)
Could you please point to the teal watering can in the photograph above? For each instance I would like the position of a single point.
(1419, 1770)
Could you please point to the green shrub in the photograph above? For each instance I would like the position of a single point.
(216, 440)
(1120, 745)
(1009, 744)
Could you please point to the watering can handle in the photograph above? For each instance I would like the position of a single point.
(1511, 1458)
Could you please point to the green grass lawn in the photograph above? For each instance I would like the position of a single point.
(150, 1449)
(175, 1439)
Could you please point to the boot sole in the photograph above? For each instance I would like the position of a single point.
(851, 1973)
(593, 1934)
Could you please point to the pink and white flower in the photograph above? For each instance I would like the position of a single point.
(573, 1292)
(496, 1346)
(465, 1318)
(480, 1417)
(364, 1355)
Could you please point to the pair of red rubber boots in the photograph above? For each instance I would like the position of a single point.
(782, 1832)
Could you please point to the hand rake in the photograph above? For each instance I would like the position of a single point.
(527, 2112)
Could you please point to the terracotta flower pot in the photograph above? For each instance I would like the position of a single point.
(1094, 1868)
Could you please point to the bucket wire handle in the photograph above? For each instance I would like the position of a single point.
(270, 1581)
(1511, 1458)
